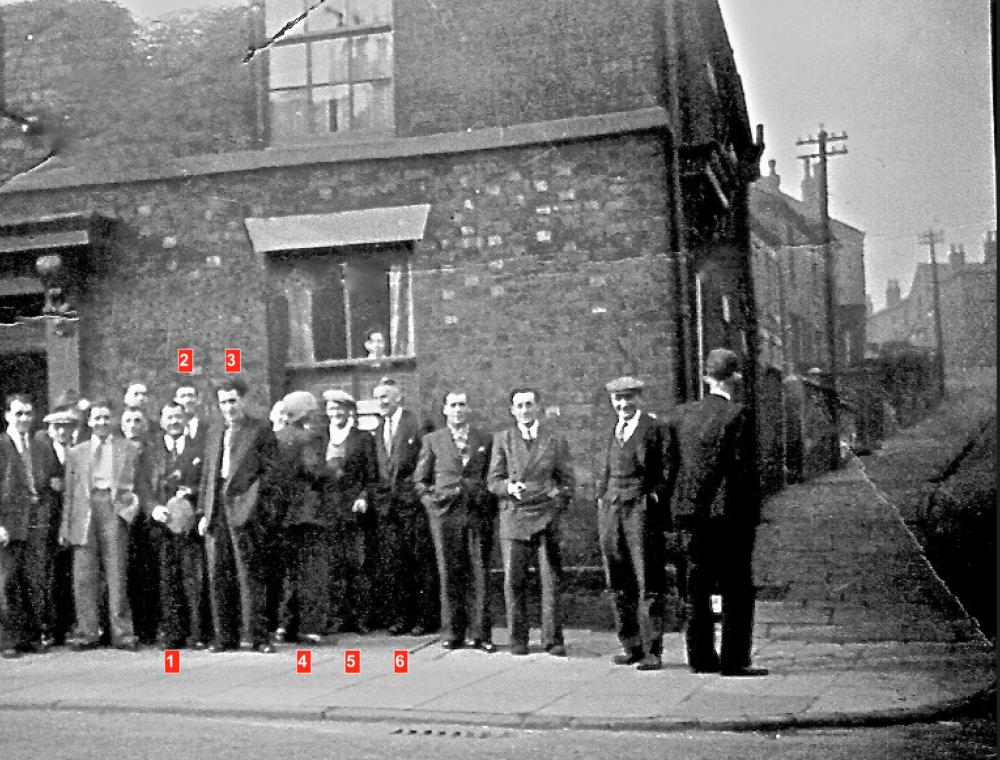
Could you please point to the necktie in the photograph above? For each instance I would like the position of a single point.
(620, 432)
(100, 481)
(26, 458)
(387, 435)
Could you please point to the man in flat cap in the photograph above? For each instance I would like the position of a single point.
(350, 479)
(716, 507)
(633, 510)
(303, 522)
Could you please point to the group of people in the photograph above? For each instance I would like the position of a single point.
(239, 532)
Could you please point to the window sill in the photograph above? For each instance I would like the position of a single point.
(399, 362)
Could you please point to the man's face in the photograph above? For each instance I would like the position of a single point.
(338, 413)
(99, 421)
(136, 395)
(172, 420)
(231, 405)
(387, 398)
(188, 398)
(133, 422)
(375, 345)
(20, 416)
(61, 432)
(524, 407)
(625, 404)
(456, 409)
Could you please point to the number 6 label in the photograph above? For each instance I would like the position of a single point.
(400, 661)
(232, 360)
(352, 661)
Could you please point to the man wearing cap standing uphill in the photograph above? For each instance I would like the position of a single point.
(633, 510)
(716, 507)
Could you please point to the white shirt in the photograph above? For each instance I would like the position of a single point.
(60, 451)
(171, 443)
(391, 425)
(101, 454)
(625, 428)
(529, 432)
(17, 438)
(227, 438)
(191, 429)
(337, 437)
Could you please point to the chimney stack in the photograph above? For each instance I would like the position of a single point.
(810, 186)
(990, 248)
(956, 257)
(772, 182)
(892, 295)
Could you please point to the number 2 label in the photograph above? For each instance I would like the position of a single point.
(185, 360)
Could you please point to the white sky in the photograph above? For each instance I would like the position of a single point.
(908, 80)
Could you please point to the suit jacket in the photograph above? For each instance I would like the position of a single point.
(547, 471)
(51, 468)
(248, 490)
(716, 475)
(653, 447)
(78, 484)
(167, 473)
(18, 510)
(396, 468)
(357, 476)
(443, 483)
(299, 472)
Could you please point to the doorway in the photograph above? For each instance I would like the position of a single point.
(29, 374)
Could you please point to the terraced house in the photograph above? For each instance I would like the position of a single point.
(508, 192)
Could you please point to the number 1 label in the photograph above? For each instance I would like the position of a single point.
(171, 661)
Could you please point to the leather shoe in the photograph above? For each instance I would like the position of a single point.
(556, 650)
(128, 644)
(650, 662)
(518, 649)
(396, 628)
(10, 654)
(483, 646)
(418, 630)
(627, 658)
(280, 636)
(199, 645)
(227, 646)
(744, 672)
(264, 648)
(452, 644)
(82, 645)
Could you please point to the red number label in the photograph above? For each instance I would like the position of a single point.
(171, 661)
(303, 661)
(400, 661)
(232, 360)
(352, 661)
(185, 360)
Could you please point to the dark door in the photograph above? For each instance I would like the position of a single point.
(28, 374)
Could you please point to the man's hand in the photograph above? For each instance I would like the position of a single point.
(160, 514)
(203, 526)
(182, 492)
(360, 506)
(4, 536)
(56, 484)
(516, 488)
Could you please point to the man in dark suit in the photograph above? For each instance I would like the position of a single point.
(349, 485)
(716, 506)
(173, 466)
(234, 496)
(187, 397)
(407, 577)
(24, 530)
(143, 548)
(102, 491)
(531, 472)
(57, 564)
(451, 481)
(633, 502)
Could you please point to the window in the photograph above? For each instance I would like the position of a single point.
(350, 303)
(331, 72)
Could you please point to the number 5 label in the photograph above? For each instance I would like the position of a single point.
(232, 360)
(185, 360)
(352, 661)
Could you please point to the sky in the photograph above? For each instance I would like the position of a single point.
(909, 81)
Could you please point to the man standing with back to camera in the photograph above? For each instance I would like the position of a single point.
(716, 505)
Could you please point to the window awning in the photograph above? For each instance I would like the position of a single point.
(373, 225)
(41, 241)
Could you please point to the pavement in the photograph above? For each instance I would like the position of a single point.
(852, 622)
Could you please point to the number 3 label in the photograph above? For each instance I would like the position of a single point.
(232, 360)
(185, 360)
(352, 661)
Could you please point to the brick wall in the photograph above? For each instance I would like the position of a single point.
(543, 266)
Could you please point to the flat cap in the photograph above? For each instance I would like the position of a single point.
(624, 385)
(721, 363)
(299, 404)
(62, 417)
(337, 396)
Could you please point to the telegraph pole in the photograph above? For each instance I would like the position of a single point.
(822, 141)
(930, 239)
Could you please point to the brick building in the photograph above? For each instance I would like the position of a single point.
(509, 192)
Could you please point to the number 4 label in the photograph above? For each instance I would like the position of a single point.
(171, 661)
(232, 360)
(185, 360)
(352, 661)
(303, 661)
(400, 661)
